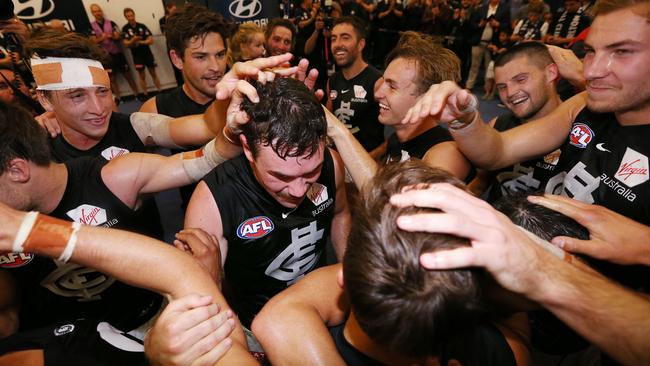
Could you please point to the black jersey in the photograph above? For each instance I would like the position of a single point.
(484, 345)
(175, 103)
(57, 291)
(605, 163)
(569, 25)
(353, 102)
(120, 139)
(141, 30)
(80, 343)
(269, 246)
(418, 146)
(528, 176)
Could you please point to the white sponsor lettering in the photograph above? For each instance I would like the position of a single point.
(64, 329)
(617, 187)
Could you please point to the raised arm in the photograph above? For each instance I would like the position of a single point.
(481, 144)
(131, 258)
(292, 326)
(341, 221)
(358, 162)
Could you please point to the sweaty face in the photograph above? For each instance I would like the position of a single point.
(398, 91)
(254, 48)
(346, 47)
(522, 87)
(286, 180)
(83, 111)
(617, 61)
(279, 41)
(204, 63)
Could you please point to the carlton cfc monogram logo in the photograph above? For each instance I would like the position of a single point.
(255, 228)
(581, 135)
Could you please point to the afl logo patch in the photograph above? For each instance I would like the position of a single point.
(581, 135)
(15, 260)
(255, 228)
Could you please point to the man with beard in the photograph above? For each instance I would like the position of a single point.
(351, 89)
(603, 133)
(280, 36)
(525, 77)
(196, 42)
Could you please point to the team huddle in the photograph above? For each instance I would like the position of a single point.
(310, 238)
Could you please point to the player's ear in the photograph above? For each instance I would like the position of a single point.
(246, 148)
(339, 276)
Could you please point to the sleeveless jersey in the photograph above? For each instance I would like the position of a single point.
(57, 291)
(269, 246)
(416, 147)
(605, 163)
(353, 102)
(120, 139)
(80, 343)
(484, 345)
(175, 103)
(528, 176)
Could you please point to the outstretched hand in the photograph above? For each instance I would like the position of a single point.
(612, 237)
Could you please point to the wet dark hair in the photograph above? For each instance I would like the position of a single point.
(288, 118)
(537, 219)
(398, 303)
(21, 137)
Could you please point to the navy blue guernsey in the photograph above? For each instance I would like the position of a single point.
(269, 246)
(528, 176)
(80, 342)
(62, 291)
(120, 139)
(353, 102)
(605, 163)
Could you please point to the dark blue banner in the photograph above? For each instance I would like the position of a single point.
(38, 12)
(244, 11)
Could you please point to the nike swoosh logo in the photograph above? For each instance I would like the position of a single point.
(601, 148)
(285, 215)
(345, 91)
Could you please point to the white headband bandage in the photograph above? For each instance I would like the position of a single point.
(60, 73)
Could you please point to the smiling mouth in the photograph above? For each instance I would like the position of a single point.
(383, 107)
(518, 100)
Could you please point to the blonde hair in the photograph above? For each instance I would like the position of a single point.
(244, 35)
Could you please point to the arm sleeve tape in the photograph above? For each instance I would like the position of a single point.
(153, 127)
(200, 162)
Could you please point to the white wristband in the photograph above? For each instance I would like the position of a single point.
(23, 231)
(71, 244)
